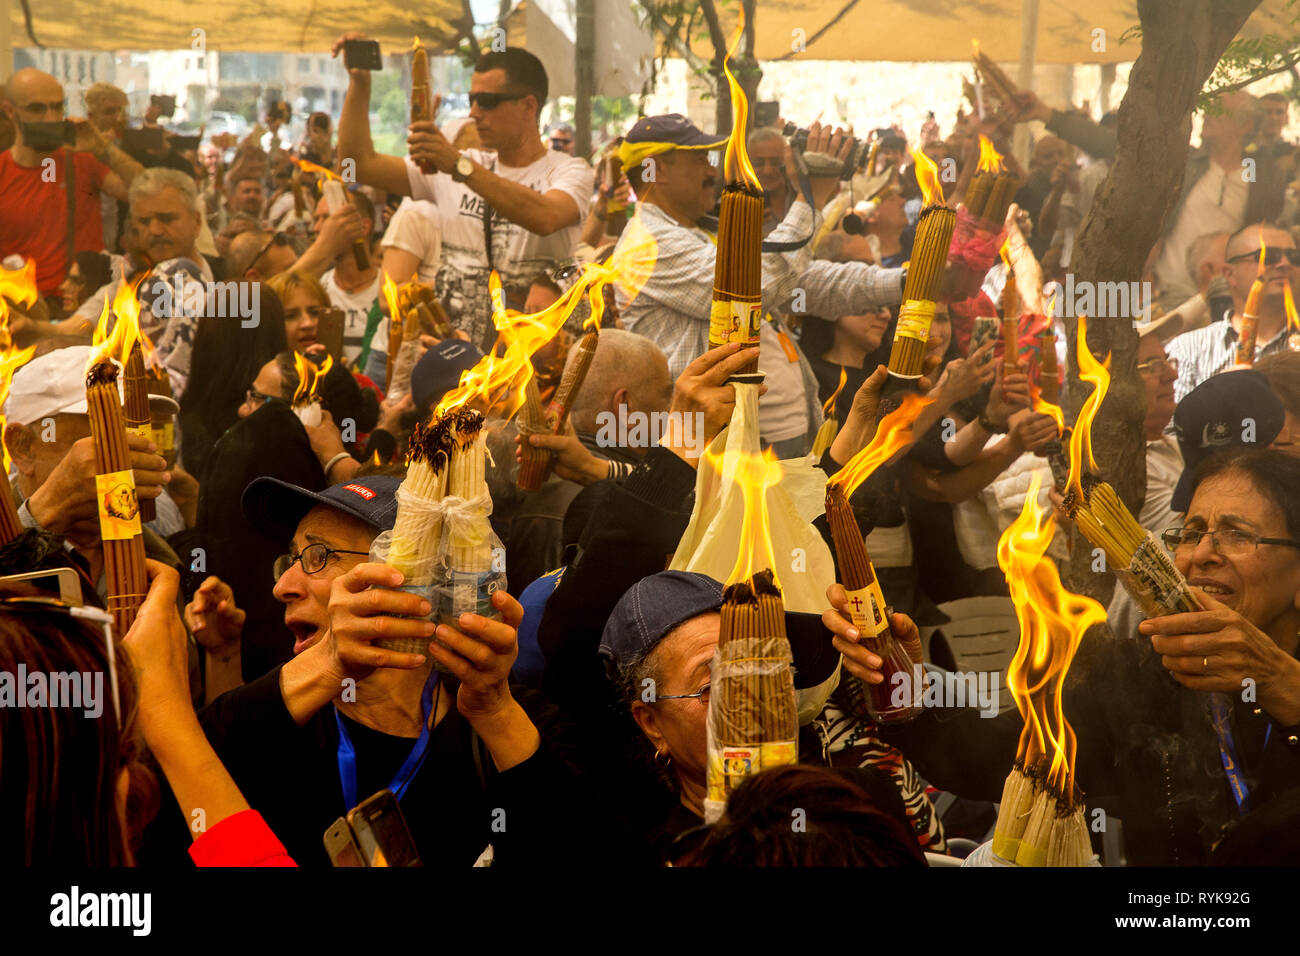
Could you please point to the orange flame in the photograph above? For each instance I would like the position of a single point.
(893, 434)
(1098, 374)
(310, 377)
(18, 285)
(500, 377)
(927, 176)
(830, 402)
(390, 296)
(1292, 319)
(755, 474)
(309, 167)
(737, 166)
(1052, 624)
(990, 158)
(124, 311)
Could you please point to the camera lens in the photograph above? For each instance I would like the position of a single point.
(852, 224)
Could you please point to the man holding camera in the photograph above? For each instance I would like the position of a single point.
(513, 206)
(50, 207)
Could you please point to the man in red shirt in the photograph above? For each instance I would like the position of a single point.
(33, 180)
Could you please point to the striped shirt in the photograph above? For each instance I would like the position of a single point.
(1208, 351)
(672, 306)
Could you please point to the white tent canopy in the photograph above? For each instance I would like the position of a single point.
(624, 50)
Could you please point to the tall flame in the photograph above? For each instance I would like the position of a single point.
(893, 434)
(310, 377)
(18, 285)
(755, 474)
(1292, 319)
(990, 158)
(830, 402)
(737, 166)
(123, 313)
(389, 288)
(1052, 624)
(309, 167)
(1098, 374)
(500, 377)
(927, 176)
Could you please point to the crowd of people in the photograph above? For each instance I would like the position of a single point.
(251, 704)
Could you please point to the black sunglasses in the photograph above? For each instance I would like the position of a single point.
(490, 101)
(1271, 256)
(279, 239)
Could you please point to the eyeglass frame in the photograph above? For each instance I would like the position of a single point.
(297, 559)
(698, 695)
(251, 395)
(480, 99)
(1168, 361)
(1214, 540)
(280, 234)
(1275, 253)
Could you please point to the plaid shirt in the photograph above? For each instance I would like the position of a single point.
(1208, 351)
(672, 307)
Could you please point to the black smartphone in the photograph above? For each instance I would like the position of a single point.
(183, 143)
(166, 104)
(145, 140)
(47, 136)
(381, 833)
(362, 55)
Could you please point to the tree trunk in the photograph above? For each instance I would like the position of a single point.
(1182, 41)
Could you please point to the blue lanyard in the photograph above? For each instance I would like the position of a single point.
(1221, 713)
(406, 773)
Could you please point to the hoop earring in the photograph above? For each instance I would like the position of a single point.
(667, 761)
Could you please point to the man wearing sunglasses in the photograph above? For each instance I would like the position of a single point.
(514, 205)
(1207, 351)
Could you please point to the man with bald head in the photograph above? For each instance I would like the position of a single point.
(1223, 190)
(1205, 352)
(35, 219)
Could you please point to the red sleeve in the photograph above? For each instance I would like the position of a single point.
(87, 164)
(242, 839)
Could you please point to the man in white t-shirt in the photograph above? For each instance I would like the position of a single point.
(537, 197)
(356, 292)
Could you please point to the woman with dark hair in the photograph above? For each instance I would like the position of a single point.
(89, 272)
(225, 359)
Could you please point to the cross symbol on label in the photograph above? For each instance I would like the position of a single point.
(857, 604)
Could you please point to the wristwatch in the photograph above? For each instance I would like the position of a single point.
(463, 169)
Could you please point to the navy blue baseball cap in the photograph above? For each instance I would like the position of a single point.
(1219, 415)
(439, 370)
(278, 506)
(655, 605)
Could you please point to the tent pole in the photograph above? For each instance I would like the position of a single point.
(584, 75)
(1025, 79)
(6, 40)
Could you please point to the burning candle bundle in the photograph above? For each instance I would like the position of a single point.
(306, 397)
(1250, 314)
(934, 231)
(867, 606)
(431, 318)
(1040, 819)
(1049, 381)
(992, 188)
(330, 185)
(737, 311)
(538, 462)
(136, 412)
(1138, 560)
(18, 285)
(830, 425)
(119, 512)
(470, 548)
(421, 93)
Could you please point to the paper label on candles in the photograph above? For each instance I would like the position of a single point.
(164, 436)
(867, 610)
(914, 320)
(119, 509)
(730, 767)
(734, 322)
(144, 431)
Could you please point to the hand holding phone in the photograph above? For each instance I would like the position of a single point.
(362, 55)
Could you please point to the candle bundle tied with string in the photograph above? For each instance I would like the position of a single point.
(421, 94)
(934, 229)
(737, 311)
(1140, 563)
(894, 700)
(1041, 815)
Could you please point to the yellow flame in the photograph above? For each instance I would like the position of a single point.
(18, 285)
(500, 377)
(1052, 624)
(123, 313)
(1098, 374)
(737, 166)
(310, 377)
(1292, 319)
(990, 158)
(893, 434)
(390, 296)
(927, 176)
(830, 402)
(755, 474)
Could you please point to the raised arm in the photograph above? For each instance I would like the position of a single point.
(373, 169)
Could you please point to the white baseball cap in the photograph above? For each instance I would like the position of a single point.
(53, 384)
